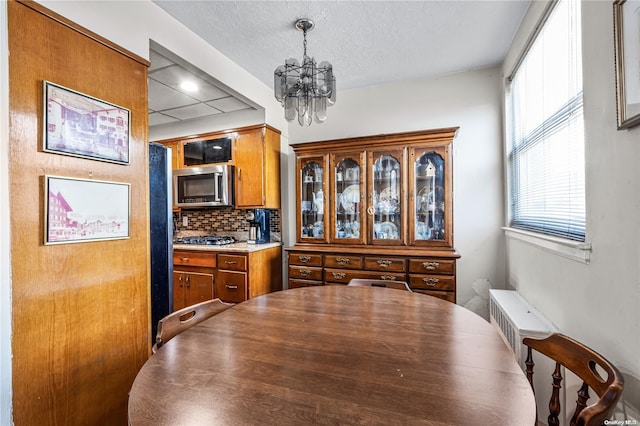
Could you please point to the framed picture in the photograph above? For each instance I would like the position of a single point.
(78, 210)
(626, 14)
(80, 125)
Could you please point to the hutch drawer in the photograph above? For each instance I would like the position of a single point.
(305, 259)
(432, 266)
(306, 273)
(343, 261)
(432, 282)
(384, 264)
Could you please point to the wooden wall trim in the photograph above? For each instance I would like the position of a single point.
(82, 30)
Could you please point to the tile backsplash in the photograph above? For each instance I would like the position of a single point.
(221, 221)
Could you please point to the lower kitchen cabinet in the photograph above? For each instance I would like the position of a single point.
(230, 276)
(190, 288)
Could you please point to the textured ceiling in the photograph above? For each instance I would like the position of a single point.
(368, 42)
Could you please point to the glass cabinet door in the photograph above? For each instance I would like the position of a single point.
(386, 193)
(429, 209)
(312, 209)
(347, 180)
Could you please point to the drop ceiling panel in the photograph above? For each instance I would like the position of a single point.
(228, 104)
(156, 118)
(162, 97)
(192, 111)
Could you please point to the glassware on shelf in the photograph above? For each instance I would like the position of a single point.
(429, 197)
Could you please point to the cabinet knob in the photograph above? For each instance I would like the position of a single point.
(431, 282)
(430, 266)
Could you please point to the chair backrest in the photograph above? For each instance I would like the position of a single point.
(399, 285)
(178, 321)
(590, 367)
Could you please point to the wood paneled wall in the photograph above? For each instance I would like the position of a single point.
(80, 311)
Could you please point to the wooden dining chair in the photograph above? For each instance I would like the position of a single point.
(399, 285)
(180, 320)
(590, 367)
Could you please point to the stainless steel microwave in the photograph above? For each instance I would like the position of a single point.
(207, 186)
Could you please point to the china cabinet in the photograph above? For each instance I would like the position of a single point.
(376, 207)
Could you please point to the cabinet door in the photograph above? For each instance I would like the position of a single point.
(312, 194)
(386, 197)
(178, 291)
(249, 162)
(348, 175)
(199, 287)
(430, 196)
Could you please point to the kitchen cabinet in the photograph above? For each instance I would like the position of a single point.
(378, 207)
(254, 153)
(193, 277)
(230, 276)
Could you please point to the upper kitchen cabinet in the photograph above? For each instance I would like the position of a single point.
(253, 151)
(256, 155)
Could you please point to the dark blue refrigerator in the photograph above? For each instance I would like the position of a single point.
(161, 229)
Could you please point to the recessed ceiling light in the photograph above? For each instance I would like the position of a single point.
(189, 86)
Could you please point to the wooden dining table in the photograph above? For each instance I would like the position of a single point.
(335, 355)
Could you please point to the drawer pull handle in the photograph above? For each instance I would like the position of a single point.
(338, 275)
(343, 260)
(188, 281)
(431, 281)
(384, 263)
(184, 259)
(305, 272)
(231, 287)
(230, 262)
(304, 259)
(387, 277)
(430, 266)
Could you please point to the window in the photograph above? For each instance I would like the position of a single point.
(545, 161)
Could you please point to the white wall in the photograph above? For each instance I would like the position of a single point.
(596, 303)
(5, 285)
(470, 100)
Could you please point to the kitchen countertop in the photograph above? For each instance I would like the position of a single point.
(241, 247)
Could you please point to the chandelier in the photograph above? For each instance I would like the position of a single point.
(308, 89)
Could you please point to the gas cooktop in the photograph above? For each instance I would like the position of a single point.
(207, 240)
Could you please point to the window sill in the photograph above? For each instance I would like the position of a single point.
(574, 250)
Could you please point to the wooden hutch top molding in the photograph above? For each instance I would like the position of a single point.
(385, 140)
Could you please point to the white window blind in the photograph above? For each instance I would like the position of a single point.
(546, 132)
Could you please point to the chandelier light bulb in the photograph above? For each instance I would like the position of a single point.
(305, 90)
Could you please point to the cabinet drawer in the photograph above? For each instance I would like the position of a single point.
(305, 259)
(303, 283)
(344, 275)
(231, 286)
(305, 273)
(444, 295)
(232, 262)
(384, 264)
(432, 282)
(193, 258)
(432, 266)
(346, 262)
